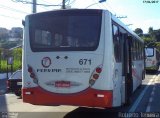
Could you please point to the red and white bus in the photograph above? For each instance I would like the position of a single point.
(80, 57)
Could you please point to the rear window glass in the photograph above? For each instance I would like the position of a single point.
(149, 52)
(70, 31)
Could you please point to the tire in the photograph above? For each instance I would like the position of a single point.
(128, 102)
(143, 74)
(18, 93)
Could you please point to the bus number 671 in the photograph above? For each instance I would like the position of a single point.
(85, 61)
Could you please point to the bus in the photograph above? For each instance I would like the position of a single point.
(80, 57)
(152, 59)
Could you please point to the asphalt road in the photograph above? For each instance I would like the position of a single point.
(144, 99)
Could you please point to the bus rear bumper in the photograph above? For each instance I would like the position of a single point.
(89, 97)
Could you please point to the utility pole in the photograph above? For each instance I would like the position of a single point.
(100, 1)
(34, 9)
(63, 4)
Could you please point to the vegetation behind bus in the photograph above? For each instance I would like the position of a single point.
(17, 59)
(151, 39)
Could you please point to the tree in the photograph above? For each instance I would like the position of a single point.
(139, 31)
(151, 33)
(4, 34)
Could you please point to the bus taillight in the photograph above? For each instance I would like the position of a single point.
(98, 70)
(95, 75)
(32, 74)
(30, 69)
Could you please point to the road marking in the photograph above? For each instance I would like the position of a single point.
(136, 103)
(151, 96)
(148, 108)
(150, 99)
(154, 88)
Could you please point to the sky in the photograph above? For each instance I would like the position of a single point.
(140, 13)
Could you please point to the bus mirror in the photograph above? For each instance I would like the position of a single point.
(23, 22)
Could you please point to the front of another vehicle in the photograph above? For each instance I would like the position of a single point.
(151, 59)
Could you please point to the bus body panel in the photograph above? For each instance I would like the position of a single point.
(90, 97)
(107, 71)
(69, 72)
(137, 71)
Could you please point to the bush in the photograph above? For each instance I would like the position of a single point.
(17, 63)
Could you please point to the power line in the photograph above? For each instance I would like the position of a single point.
(11, 9)
(27, 2)
(15, 18)
(104, 6)
(73, 1)
(46, 2)
(44, 6)
(97, 3)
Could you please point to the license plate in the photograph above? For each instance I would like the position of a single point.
(19, 83)
(62, 84)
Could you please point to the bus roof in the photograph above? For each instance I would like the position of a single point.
(115, 19)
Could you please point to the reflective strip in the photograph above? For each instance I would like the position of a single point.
(100, 96)
(27, 93)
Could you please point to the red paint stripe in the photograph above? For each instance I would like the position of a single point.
(86, 98)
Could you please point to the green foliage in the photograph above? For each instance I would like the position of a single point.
(139, 31)
(17, 62)
(147, 39)
(158, 45)
(9, 44)
(152, 38)
(16, 65)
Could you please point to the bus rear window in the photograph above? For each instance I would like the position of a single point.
(149, 52)
(67, 32)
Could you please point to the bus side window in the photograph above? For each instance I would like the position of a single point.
(117, 44)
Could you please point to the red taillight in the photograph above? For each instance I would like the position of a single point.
(98, 70)
(95, 76)
(32, 74)
(30, 69)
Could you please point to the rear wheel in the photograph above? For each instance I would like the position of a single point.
(128, 102)
(18, 93)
